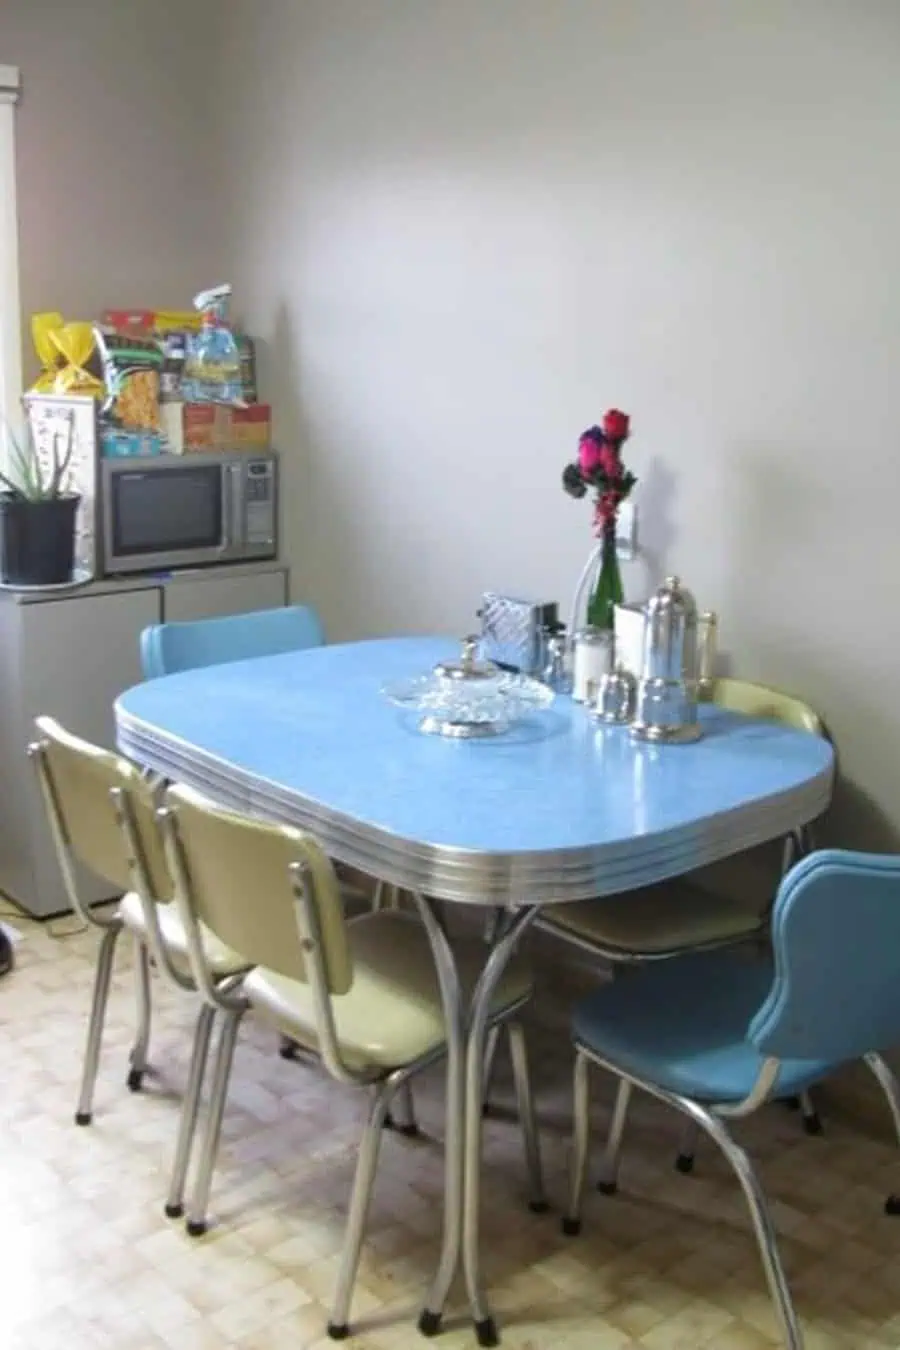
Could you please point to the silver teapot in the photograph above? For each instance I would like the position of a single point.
(666, 705)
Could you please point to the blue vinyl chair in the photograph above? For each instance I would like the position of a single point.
(170, 647)
(718, 1034)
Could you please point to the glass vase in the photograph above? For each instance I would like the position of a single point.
(608, 591)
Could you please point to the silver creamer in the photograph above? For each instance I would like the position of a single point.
(666, 705)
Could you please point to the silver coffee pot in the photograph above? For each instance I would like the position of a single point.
(666, 705)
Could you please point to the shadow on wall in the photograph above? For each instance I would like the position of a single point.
(784, 617)
(656, 499)
(317, 508)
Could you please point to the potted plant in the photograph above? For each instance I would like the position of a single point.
(37, 512)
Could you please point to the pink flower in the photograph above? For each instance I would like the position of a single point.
(590, 454)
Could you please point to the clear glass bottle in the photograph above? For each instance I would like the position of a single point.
(556, 674)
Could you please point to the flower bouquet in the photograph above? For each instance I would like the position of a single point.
(599, 467)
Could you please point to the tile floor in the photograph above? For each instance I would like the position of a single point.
(88, 1262)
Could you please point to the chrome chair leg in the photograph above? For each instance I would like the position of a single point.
(144, 994)
(190, 1109)
(367, 1162)
(99, 1000)
(581, 1135)
(518, 1049)
(609, 1179)
(199, 1202)
(404, 1120)
(887, 1081)
(492, 1040)
(687, 1149)
(812, 1122)
(759, 1213)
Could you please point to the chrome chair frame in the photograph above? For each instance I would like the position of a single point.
(712, 1119)
(154, 949)
(797, 843)
(232, 1007)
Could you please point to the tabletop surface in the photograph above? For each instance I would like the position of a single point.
(311, 732)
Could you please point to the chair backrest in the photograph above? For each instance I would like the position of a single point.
(754, 875)
(234, 874)
(759, 700)
(170, 647)
(836, 939)
(77, 779)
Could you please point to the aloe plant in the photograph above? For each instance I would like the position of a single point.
(27, 480)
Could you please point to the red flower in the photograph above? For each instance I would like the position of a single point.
(616, 426)
(590, 453)
(609, 463)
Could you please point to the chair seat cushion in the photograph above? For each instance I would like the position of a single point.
(222, 960)
(673, 916)
(392, 1013)
(682, 1025)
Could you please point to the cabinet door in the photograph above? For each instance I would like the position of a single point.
(189, 598)
(77, 656)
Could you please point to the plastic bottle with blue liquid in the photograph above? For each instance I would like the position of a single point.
(212, 367)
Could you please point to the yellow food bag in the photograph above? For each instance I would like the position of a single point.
(64, 349)
(42, 328)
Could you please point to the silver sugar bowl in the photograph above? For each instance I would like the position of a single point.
(666, 705)
(615, 698)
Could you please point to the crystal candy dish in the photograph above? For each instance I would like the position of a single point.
(470, 697)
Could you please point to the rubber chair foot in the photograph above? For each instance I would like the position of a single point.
(684, 1163)
(429, 1323)
(411, 1131)
(287, 1050)
(892, 1205)
(486, 1332)
(338, 1331)
(195, 1227)
(539, 1206)
(607, 1187)
(571, 1227)
(812, 1124)
(792, 1103)
(83, 1117)
(485, 1110)
(174, 1211)
(135, 1080)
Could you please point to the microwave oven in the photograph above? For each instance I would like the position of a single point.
(160, 512)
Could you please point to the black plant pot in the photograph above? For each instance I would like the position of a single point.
(37, 540)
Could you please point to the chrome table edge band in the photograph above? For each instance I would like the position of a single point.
(459, 875)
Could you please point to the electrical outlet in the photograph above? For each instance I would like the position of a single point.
(626, 532)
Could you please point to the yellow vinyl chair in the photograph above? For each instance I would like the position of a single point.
(102, 814)
(726, 902)
(362, 994)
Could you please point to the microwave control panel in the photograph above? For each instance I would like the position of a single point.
(259, 497)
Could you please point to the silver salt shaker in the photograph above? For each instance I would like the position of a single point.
(556, 669)
(615, 696)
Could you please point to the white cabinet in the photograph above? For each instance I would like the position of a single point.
(70, 658)
(204, 596)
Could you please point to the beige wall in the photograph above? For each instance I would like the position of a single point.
(466, 228)
(113, 148)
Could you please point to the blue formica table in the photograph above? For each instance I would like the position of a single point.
(557, 809)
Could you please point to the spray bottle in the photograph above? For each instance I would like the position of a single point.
(212, 368)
